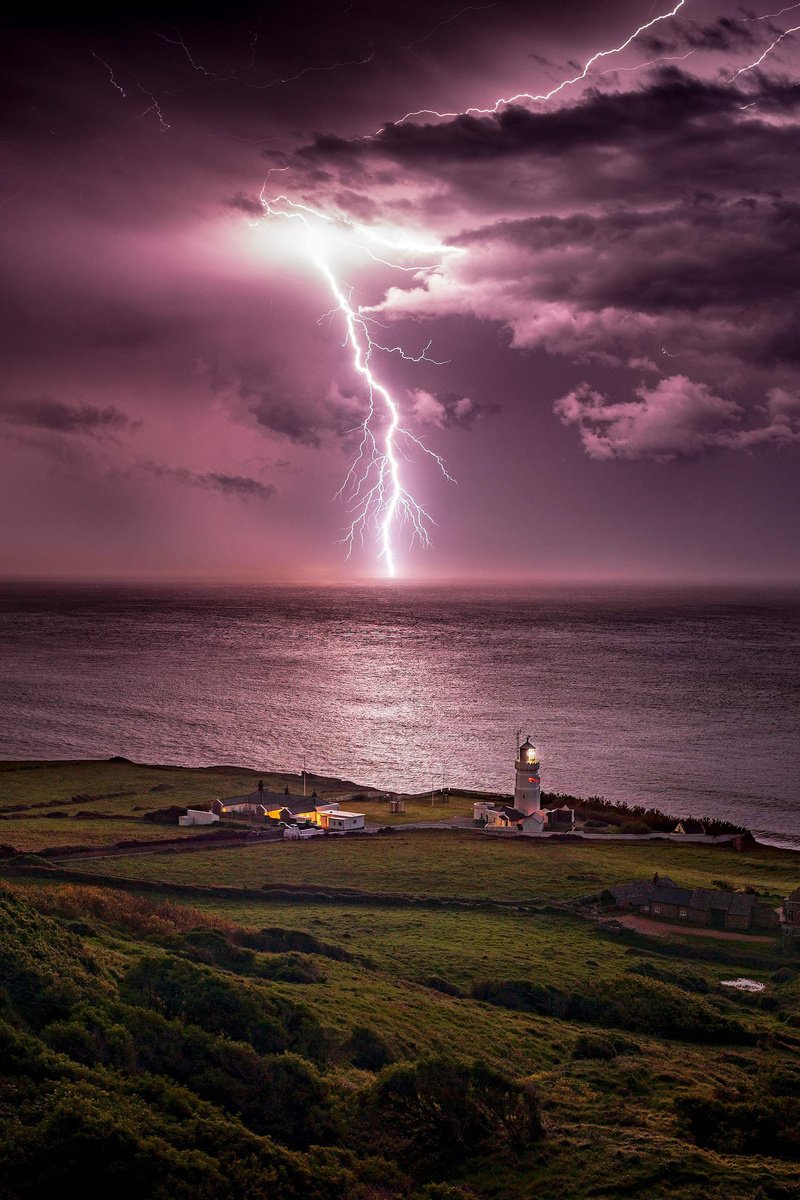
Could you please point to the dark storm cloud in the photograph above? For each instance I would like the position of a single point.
(267, 395)
(237, 487)
(46, 414)
(667, 224)
(676, 113)
(722, 35)
(699, 254)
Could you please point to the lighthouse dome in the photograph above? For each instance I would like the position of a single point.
(528, 752)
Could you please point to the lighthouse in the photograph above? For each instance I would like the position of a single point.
(528, 791)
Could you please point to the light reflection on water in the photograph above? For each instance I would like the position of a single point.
(687, 702)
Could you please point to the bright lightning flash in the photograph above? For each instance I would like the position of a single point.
(374, 484)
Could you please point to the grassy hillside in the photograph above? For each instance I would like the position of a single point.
(47, 805)
(182, 1041)
(466, 864)
(235, 1032)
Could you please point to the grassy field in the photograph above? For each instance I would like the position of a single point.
(611, 1126)
(30, 793)
(584, 1015)
(30, 834)
(466, 864)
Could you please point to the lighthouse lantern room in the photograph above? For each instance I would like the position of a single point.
(528, 791)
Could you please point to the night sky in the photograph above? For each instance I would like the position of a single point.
(615, 323)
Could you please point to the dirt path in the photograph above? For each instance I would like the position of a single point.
(664, 929)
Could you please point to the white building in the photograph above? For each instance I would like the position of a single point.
(198, 816)
(336, 820)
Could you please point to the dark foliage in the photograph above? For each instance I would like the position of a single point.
(368, 1050)
(755, 1124)
(277, 941)
(437, 1111)
(642, 1006)
(197, 995)
(442, 985)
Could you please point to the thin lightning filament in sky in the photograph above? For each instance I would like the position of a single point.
(751, 66)
(543, 96)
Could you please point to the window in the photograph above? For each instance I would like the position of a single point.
(682, 912)
(657, 908)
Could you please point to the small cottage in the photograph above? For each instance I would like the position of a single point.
(198, 816)
(791, 911)
(291, 810)
(690, 826)
(662, 898)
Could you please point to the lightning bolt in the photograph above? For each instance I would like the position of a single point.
(751, 66)
(768, 16)
(530, 97)
(373, 485)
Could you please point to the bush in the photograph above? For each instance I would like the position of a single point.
(290, 968)
(635, 827)
(757, 1124)
(644, 1005)
(181, 990)
(688, 981)
(368, 1050)
(590, 1046)
(438, 1110)
(441, 985)
(278, 941)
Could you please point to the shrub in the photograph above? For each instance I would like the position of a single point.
(278, 941)
(438, 1110)
(644, 1005)
(368, 1050)
(755, 1124)
(589, 1046)
(441, 985)
(689, 981)
(197, 995)
(290, 968)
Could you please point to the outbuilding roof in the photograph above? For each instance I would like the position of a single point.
(274, 800)
(666, 891)
(690, 826)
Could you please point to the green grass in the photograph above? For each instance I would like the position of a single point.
(468, 865)
(32, 834)
(612, 1128)
(130, 790)
(45, 783)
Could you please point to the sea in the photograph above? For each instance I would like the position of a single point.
(683, 700)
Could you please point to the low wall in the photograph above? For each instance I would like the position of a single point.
(707, 838)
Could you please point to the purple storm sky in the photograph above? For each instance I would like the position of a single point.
(616, 391)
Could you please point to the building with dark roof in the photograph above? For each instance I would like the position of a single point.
(662, 898)
(690, 826)
(791, 910)
(283, 806)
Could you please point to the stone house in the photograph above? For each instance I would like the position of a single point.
(791, 911)
(665, 900)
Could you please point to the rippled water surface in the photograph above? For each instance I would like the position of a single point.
(687, 701)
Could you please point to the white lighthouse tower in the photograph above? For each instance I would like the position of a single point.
(528, 791)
